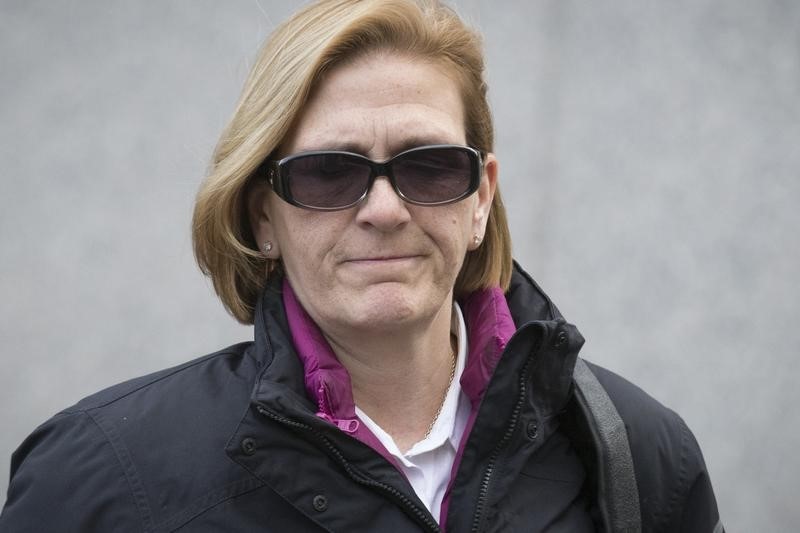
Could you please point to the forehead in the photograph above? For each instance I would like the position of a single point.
(379, 104)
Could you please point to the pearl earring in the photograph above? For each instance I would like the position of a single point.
(267, 247)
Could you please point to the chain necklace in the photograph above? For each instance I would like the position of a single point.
(444, 397)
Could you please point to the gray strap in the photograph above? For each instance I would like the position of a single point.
(618, 494)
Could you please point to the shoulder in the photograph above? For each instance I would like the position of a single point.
(178, 411)
(197, 373)
(109, 458)
(670, 471)
(57, 471)
(652, 427)
(637, 408)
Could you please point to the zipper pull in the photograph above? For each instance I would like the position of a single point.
(347, 425)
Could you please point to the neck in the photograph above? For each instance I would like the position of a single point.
(399, 380)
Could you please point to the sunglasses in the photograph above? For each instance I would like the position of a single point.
(330, 180)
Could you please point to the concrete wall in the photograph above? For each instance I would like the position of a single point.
(648, 159)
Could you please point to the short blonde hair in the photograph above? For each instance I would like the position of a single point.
(290, 64)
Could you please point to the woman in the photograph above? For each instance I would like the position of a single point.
(405, 374)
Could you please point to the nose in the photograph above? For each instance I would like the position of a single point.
(383, 208)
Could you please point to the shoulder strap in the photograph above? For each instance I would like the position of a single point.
(618, 495)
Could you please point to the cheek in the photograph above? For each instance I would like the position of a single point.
(453, 233)
(299, 243)
(305, 239)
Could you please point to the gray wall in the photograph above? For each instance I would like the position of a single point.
(648, 159)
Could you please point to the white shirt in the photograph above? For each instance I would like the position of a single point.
(427, 463)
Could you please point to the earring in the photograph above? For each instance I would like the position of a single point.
(267, 247)
(476, 239)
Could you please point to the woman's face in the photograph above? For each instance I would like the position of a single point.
(383, 264)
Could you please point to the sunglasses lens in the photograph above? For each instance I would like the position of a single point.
(327, 181)
(434, 175)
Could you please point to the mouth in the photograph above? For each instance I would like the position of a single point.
(383, 259)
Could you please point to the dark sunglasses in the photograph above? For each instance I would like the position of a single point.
(330, 180)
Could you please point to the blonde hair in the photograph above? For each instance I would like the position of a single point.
(290, 64)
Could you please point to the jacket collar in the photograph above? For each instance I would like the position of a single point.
(275, 352)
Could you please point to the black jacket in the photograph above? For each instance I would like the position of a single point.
(230, 442)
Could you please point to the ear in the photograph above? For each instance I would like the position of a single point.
(257, 202)
(485, 196)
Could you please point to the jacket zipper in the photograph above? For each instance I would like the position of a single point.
(477, 520)
(420, 514)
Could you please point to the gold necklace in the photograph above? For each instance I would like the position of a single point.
(444, 397)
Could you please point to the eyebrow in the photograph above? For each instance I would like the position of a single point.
(413, 141)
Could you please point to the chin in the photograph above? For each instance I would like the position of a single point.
(389, 309)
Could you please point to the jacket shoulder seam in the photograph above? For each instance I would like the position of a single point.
(677, 495)
(128, 468)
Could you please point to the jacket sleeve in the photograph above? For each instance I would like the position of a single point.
(66, 477)
(675, 489)
(699, 511)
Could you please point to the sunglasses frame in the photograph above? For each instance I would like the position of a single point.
(279, 180)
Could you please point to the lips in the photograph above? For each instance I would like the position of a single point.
(393, 258)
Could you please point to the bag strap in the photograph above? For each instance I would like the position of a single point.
(618, 495)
